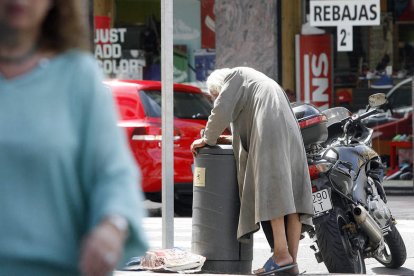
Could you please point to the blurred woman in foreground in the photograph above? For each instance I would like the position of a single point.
(69, 200)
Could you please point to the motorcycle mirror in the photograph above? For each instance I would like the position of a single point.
(377, 100)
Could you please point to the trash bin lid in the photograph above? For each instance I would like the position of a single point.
(217, 150)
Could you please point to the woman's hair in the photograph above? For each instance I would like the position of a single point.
(64, 28)
(216, 80)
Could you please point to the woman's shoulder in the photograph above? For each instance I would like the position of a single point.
(79, 58)
(81, 65)
(81, 70)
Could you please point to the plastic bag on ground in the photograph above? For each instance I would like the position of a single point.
(171, 260)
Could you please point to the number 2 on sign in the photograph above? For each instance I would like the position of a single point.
(344, 38)
(343, 34)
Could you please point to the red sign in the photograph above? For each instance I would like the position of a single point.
(314, 69)
(208, 29)
(102, 22)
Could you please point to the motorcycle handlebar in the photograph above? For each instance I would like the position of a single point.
(367, 114)
(356, 119)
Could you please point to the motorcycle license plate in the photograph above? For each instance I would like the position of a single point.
(321, 202)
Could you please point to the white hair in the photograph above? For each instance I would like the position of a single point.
(216, 79)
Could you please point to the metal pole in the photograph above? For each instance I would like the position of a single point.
(167, 124)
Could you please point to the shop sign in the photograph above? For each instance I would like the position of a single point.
(344, 14)
(208, 25)
(314, 70)
(110, 56)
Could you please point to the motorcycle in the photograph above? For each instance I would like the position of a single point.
(352, 220)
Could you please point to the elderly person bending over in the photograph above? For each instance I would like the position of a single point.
(273, 176)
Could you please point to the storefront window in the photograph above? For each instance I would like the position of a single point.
(330, 71)
(127, 39)
(381, 61)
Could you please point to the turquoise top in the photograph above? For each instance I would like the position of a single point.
(64, 165)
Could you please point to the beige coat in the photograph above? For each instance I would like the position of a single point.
(273, 174)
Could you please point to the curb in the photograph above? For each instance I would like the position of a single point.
(402, 187)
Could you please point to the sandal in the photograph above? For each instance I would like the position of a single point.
(271, 267)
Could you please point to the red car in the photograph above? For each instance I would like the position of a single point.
(139, 104)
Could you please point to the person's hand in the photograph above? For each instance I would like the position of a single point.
(199, 143)
(102, 249)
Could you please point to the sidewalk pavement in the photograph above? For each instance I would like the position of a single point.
(150, 273)
(393, 187)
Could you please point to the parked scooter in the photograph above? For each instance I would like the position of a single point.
(351, 218)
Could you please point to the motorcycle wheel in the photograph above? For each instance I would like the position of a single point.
(394, 253)
(337, 251)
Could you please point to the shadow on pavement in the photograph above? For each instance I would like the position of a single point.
(389, 271)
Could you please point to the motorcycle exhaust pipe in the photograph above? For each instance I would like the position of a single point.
(368, 224)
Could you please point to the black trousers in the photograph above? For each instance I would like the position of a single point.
(267, 229)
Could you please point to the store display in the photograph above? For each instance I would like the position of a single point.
(384, 82)
(205, 62)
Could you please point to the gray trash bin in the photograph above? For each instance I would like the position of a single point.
(216, 206)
